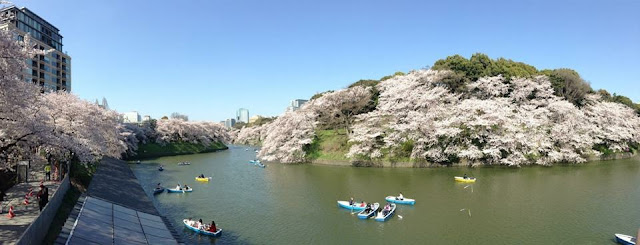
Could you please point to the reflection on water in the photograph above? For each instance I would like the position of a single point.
(296, 204)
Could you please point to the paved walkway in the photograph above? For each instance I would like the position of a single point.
(11, 229)
(115, 183)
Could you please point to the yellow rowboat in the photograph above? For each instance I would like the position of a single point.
(206, 179)
(467, 180)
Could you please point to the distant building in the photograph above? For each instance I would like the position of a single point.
(146, 118)
(104, 104)
(254, 118)
(242, 115)
(296, 104)
(230, 122)
(131, 117)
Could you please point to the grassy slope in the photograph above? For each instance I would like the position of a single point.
(329, 145)
(153, 150)
(332, 145)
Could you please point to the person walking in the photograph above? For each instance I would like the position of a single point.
(47, 171)
(42, 194)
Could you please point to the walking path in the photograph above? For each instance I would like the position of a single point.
(11, 229)
(116, 210)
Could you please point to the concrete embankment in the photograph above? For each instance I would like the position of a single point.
(462, 163)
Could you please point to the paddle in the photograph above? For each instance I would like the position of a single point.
(467, 210)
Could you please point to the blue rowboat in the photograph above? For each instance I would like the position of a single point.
(158, 190)
(394, 199)
(179, 191)
(384, 217)
(203, 232)
(625, 239)
(255, 161)
(357, 206)
(365, 214)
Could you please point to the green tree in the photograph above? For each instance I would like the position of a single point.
(398, 73)
(365, 83)
(239, 125)
(567, 83)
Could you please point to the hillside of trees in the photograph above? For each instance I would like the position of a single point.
(481, 111)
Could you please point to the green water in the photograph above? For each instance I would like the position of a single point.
(296, 204)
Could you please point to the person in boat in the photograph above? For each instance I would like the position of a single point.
(158, 186)
(351, 201)
(186, 187)
(465, 176)
(200, 225)
(201, 176)
(400, 197)
(212, 227)
(178, 187)
(190, 222)
(368, 208)
(386, 210)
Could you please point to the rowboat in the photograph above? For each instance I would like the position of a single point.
(205, 179)
(158, 190)
(365, 214)
(394, 199)
(625, 239)
(179, 191)
(382, 217)
(466, 180)
(160, 168)
(203, 232)
(259, 164)
(357, 206)
(184, 163)
(254, 161)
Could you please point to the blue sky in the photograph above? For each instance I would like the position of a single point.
(208, 58)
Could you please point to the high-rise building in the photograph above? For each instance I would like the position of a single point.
(242, 115)
(52, 71)
(230, 122)
(296, 104)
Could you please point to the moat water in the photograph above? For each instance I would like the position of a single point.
(296, 204)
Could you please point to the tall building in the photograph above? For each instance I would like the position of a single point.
(296, 104)
(131, 117)
(52, 71)
(230, 122)
(104, 104)
(242, 115)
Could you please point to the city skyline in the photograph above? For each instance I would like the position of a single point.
(275, 60)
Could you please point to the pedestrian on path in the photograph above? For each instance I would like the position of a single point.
(43, 197)
(47, 171)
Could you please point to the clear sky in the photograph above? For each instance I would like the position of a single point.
(206, 58)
